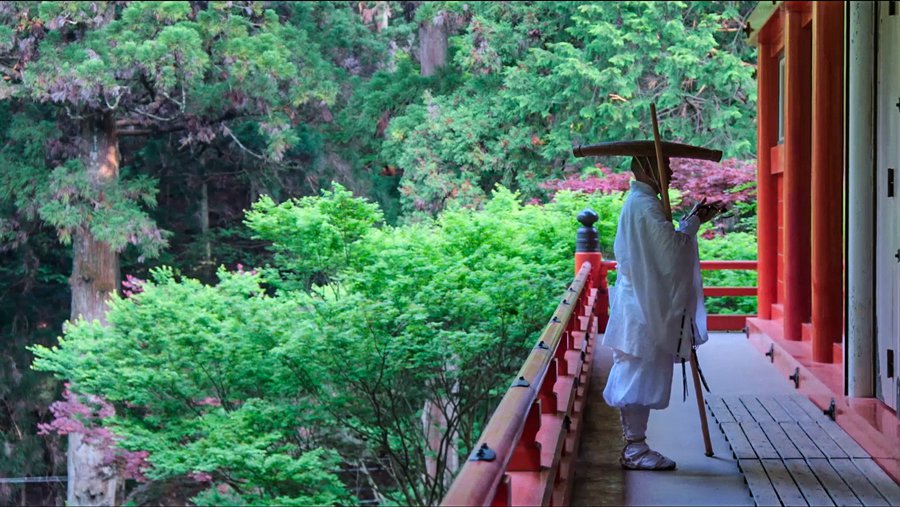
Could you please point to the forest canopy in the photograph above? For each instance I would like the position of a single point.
(236, 190)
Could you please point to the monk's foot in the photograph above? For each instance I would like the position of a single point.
(639, 456)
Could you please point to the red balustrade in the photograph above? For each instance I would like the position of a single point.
(721, 322)
(525, 455)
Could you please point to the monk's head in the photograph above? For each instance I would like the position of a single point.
(644, 169)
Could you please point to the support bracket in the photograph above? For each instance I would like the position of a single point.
(830, 411)
(484, 453)
(796, 377)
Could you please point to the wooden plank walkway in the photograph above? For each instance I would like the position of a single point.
(791, 454)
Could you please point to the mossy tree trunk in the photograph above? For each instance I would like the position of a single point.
(95, 277)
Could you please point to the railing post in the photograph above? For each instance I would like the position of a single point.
(526, 456)
(587, 249)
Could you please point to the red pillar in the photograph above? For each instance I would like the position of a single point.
(827, 169)
(766, 212)
(796, 172)
(587, 249)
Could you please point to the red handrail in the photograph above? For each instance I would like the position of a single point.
(720, 322)
(538, 412)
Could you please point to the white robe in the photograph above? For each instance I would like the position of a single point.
(657, 310)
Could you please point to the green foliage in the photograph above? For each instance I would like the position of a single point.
(540, 76)
(270, 381)
(313, 237)
(197, 378)
(230, 381)
(731, 246)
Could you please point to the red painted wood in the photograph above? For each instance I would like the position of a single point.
(729, 291)
(546, 394)
(596, 260)
(871, 423)
(503, 498)
(478, 481)
(779, 189)
(766, 211)
(715, 265)
(797, 274)
(726, 322)
(713, 322)
(827, 178)
(527, 455)
(776, 154)
(705, 265)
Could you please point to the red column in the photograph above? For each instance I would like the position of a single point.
(766, 213)
(827, 169)
(796, 172)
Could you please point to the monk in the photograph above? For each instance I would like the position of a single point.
(657, 315)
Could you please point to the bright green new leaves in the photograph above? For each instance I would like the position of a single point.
(314, 237)
(197, 380)
(229, 381)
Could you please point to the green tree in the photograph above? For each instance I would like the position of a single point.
(108, 71)
(540, 76)
(197, 379)
(223, 380)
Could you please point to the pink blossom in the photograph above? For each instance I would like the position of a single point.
(84, 414)
(132, 285)
(609, 183)
(210, 401)
(697, 179)
(729, 182)
(200, 476)
(240, 270)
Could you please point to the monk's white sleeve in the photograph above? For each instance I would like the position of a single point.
(689, 226)
(673, 242)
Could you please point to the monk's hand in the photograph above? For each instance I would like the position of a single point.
(696, 208)
(706, 212)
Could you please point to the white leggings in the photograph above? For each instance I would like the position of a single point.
(634, 422)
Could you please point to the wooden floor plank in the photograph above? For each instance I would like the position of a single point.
(759, 441)
(781, 441)
(761, 488)
(812, 490)
(825, 443)
(790, 406)
(801, 440)
(814, 412)
(783, 483)
(837, 489)
(759, 413)
(740, 446)
(738, 410)
(843, 439)
(775, 409)
(862, 488)
(882, 481)
(719, 409)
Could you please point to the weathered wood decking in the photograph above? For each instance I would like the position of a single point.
(791, 454)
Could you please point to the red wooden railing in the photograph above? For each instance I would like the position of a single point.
(526, 453)
(713, 322)
(525, 456)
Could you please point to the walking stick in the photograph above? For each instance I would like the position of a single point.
(664, 193)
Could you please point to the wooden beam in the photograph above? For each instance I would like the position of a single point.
(766, 211)
(797, 288)
(827, 178)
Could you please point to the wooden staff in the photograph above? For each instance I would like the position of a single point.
(664, 193)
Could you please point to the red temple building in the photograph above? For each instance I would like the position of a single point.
(829, 218)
